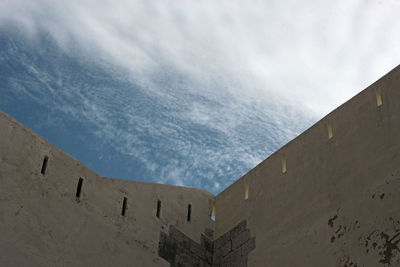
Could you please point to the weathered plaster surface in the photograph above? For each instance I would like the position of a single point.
(43, 223)
(335, 204)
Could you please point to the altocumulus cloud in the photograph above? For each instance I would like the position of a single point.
(222, 84)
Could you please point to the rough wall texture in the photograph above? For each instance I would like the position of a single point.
(181, 251)
(330, 197)
(233, 247)
(337, 203)
(44, 223)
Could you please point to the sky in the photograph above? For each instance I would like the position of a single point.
(190, 93)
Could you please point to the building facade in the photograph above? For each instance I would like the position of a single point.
(330, 197)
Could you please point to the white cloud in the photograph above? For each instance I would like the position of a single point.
(253, 62)
(315, 54)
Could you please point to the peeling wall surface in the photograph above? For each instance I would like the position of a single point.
(330, 197)
(338, 202)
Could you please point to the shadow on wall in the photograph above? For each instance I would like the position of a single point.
(231, 249)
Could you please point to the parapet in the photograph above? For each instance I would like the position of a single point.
(327, 198)
(54, 211)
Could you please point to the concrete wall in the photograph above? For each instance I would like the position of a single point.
(337, 204)
(43, 223)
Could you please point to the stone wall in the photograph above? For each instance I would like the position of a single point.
(181, 251)
(330, 196)
(327, 198)
(44, 221)
(230, 249)
(234, 246)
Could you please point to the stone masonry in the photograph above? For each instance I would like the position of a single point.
(181, 251)
(229, 250)
(233, 247)
(330, 197)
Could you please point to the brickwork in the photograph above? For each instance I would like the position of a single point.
(181, 251)
(229, 250)
(232, 248)
(333, 197)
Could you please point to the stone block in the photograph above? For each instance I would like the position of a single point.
(233, 258)
(240, 227)
(222, 240)
(219, 242)
(207, 243)
(218, 256)
(208, 256)
(240, 239)
(248, 246)
(166, 248)
(227, 248)
(209, 233)
(243, 262)
(183, 260)
(179, 238)
(197, 250)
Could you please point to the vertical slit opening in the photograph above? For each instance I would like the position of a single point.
(284, 163)
(378, 97)
(44, 165)
(213, 212)
(246, 188)
(330, 131)
(158, 208)
(79, 188)
(124, 202)
(189, 212)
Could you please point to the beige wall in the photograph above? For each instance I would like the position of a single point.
(345, 176)
(43, 224)
(336, 205)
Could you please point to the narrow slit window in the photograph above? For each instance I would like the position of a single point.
(158, 208)
(44, 165)
(246, 188)
(378, 97)
(189, 212)
(213, 212)
(124, 203)
(79, 188)
(283, 163)
(330, 131)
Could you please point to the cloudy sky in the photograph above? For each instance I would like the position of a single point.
(192, 93)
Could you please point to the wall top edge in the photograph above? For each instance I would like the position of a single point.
(127, 182)
(324, 118)
(119, 180)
